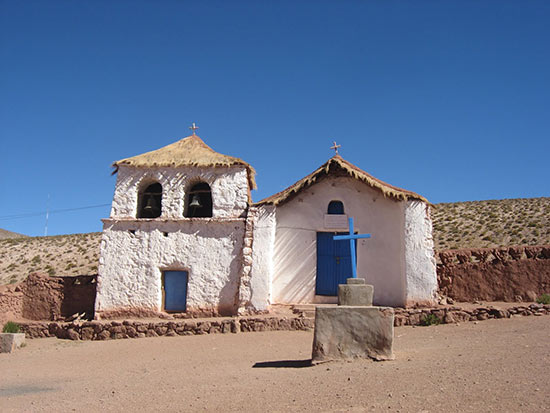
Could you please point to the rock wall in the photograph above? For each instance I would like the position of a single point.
(109, 330)
(495, 274)
(41, 297)
(99, 330)
(11, 303)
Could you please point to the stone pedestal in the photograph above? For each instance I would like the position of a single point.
(355, 292)
(11, 341)
(347, 332)
(355, 328)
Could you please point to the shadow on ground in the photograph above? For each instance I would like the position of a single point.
(288, 364)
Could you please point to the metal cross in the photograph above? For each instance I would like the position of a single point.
(335, 147)
(193, 127)
(352, 239)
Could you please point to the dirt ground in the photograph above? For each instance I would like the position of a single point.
(495, 365)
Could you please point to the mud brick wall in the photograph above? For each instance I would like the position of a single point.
(11, 303)
(41, 297)
(494, 274)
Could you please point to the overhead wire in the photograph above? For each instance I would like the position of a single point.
(54, 211)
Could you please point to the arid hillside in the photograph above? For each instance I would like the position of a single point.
(481, 224)
(5, 234)
(74, 254)
(456, 225)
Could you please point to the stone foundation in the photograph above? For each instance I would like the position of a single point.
(105, 330)
(447, 315)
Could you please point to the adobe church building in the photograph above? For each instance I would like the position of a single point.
(184, 236)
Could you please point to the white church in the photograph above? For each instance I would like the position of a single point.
(184, 236)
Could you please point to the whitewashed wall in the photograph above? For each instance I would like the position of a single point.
(261, 273)
(380, 259)
(210, 249)
(229, 189)
(131, 265)
(420, 265)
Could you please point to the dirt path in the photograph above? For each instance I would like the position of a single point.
(495, 365)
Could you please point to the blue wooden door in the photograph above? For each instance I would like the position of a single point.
(333, 263)
(175, 290)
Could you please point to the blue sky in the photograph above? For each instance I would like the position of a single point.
(449, 99)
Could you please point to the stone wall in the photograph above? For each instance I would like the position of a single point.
(495, 274)
(41, 297)
(108, 330)
(455, 314)
(101, 330)
(11, 303)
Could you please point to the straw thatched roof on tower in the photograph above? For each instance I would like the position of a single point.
(337, 166)
(190, 151)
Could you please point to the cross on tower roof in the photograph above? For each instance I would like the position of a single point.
(193, 127)
(335, 147)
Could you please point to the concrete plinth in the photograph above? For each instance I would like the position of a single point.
(355, 293)
(11, 341)
(347, 332)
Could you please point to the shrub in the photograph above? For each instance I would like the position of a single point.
(544, 299)
(11, 327)
(430, 319)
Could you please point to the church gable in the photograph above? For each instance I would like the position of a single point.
(337, 166)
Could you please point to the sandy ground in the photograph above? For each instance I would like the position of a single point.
(494, 365)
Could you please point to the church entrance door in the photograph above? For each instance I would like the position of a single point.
(333, 263)
(174, 285)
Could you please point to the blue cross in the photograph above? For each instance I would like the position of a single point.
(352, 239)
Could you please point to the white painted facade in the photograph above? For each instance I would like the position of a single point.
(247, 257)
(398, 260)
(420, 265)
(229, 189)
(135, 252)
(380, 259)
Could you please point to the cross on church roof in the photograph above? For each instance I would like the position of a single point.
(193, 127)
(335, 147)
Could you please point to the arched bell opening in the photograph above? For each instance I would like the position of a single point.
(199, 201)
(335, 208)
(150, 201)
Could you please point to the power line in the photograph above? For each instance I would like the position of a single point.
(55, 211)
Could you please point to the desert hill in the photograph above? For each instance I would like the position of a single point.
(456, 225)
(494, 223)
(5, 234)
(73, 254)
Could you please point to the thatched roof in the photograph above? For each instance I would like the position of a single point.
(190, 151)
(337, 166)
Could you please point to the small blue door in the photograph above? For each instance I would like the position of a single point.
(175, 290)
(333, 263)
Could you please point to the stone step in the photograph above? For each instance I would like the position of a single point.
(304, 310)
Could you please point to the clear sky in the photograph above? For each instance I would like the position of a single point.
(450, 99)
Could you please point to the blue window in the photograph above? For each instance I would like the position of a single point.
(335, 208)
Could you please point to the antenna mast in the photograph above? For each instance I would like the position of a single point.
(47, 216)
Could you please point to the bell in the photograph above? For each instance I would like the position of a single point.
(150, 206)
(195, 202)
